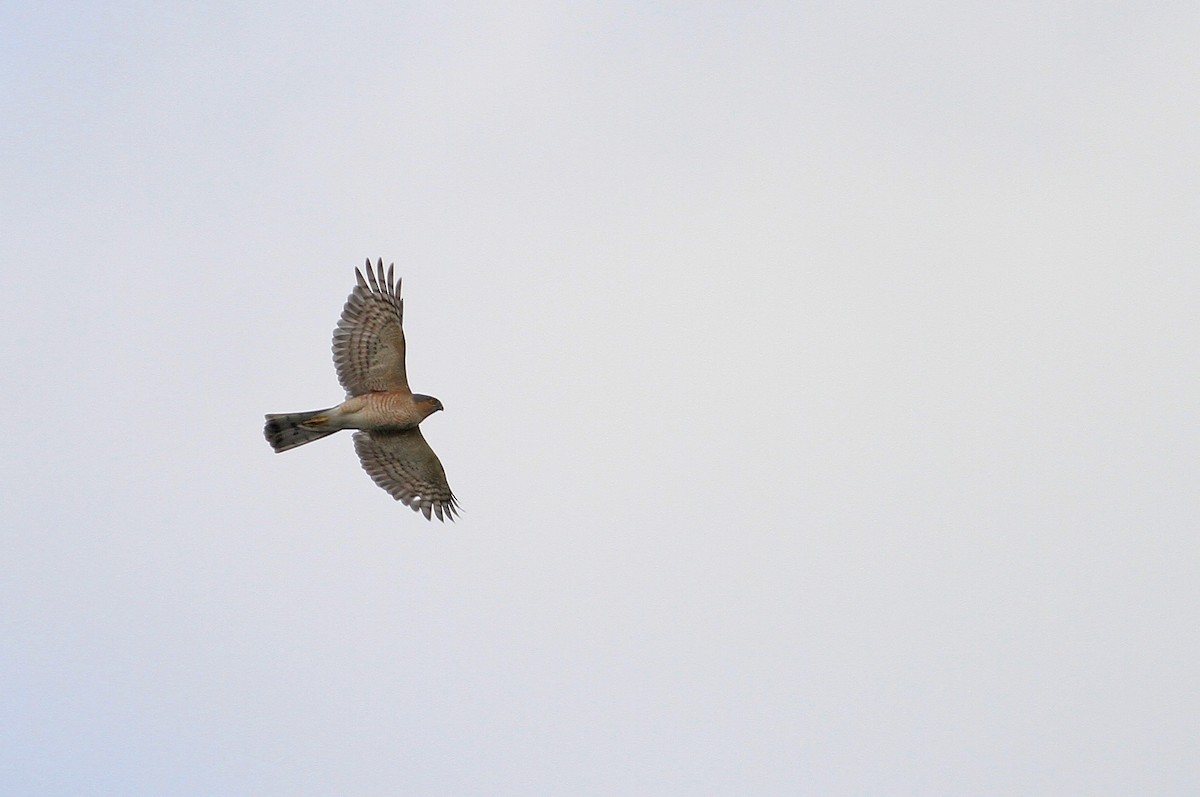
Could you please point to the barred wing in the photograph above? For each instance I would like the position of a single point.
(403, 464)
(368, 344)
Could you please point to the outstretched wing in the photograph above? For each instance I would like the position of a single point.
(401, 462)
(368, 344)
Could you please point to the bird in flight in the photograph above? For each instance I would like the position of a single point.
(368, 352)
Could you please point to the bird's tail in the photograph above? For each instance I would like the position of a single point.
(289, 430)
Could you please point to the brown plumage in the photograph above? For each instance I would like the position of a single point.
(368, 353)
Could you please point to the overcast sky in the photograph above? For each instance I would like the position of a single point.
(820, 383)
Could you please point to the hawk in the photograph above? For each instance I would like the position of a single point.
(368, 352)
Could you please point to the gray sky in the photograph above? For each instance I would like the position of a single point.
(820, 387)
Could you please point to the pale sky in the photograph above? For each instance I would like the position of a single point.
(820, 387)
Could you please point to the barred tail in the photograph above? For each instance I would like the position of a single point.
(287, 431)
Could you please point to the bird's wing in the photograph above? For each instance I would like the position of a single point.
(403, 464)
(368, 344)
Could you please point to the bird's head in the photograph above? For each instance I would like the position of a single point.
(426, 405)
